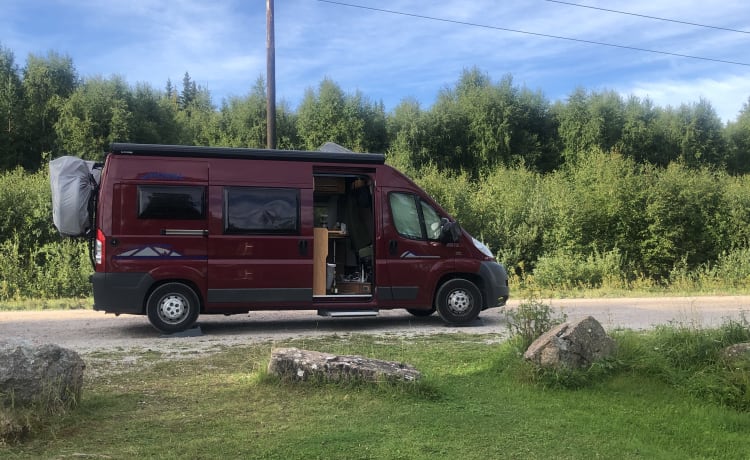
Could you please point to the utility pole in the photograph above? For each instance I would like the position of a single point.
(270, 78)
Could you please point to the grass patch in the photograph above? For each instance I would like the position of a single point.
(477, 400)
(47, 304)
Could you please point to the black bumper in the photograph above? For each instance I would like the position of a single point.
(121, 292)
(494, 283)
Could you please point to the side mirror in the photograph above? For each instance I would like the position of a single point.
(449, 231)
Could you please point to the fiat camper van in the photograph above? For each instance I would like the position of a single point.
(180, 231)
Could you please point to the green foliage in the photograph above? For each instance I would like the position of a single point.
(34, 261)
(47, 83)
(530, 320)
(243, 120)
(351, 120)
(55, 270)
(511, 213)
(95, 115)
(478, 126)
(683, 217)
(453, 192)
(26, 201)
(590, 121)
(564, 269)
(12, 111)
(683, 356)
(690, 358)
(737, 135)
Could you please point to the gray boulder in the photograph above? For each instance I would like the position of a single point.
(296, 364)
(571, 345)
(737, 352)
(39, 374)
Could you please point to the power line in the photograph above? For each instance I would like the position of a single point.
(558, 37)
(649, 17)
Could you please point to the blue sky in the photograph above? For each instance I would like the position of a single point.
(389, 57)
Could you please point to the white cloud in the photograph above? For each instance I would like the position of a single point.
(389, 56)
(727, 94)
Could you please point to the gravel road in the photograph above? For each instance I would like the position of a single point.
(87, 331)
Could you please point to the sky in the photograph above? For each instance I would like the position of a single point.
(414, 50)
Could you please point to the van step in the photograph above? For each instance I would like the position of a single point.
(347, 313)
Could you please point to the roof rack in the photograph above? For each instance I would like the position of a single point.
(119, 148)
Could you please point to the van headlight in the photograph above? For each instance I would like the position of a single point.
(482, 247)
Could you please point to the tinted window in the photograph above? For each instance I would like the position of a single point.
(261, 210)
(171, 202)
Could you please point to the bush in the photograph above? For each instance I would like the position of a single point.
(26, 201)
(55, 270)
(530, 320)
(689, 358)
(567, 270)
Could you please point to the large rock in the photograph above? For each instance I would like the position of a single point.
(572, 345)
(737, 352)
(39, 374)
(296, 364)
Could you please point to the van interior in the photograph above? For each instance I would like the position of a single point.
(343, 236)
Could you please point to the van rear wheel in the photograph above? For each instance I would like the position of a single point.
(172, 307)
(458, 301)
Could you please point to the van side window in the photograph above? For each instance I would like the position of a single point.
(431, 221)
(261, 210)
(173, 202)
(414, 218)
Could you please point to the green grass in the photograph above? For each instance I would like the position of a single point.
(47, 304)
(476, 401)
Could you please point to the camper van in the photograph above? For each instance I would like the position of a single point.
(179, 231)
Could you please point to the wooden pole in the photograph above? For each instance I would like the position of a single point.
(270, 78)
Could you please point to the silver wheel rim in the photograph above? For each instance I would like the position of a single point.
(459, 302)
(173, 308)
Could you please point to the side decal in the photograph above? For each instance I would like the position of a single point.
(411, 255)
(154, 252)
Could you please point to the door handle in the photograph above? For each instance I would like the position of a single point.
(302, 245)
(393, 247)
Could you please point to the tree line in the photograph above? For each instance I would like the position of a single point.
(596, 190)
(475, 125)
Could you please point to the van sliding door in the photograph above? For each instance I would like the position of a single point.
(261, 254)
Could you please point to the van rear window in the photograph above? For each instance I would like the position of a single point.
(261, 210)
(172, 202)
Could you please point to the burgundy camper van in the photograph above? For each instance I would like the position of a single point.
(179, 231)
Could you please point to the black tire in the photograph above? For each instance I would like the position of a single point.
(458, 301)
(172, 307)
(421, 313)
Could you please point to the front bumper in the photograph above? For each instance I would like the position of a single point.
(494, 283)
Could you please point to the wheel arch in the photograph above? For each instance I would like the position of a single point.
(473, 277)
(189, 283)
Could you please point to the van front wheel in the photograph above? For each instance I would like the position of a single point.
(172, 307)
(458, 301)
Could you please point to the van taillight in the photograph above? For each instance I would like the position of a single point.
(99, 247)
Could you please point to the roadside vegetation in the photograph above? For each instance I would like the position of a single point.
(605, 227)
(666, 394)
(596, 192)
